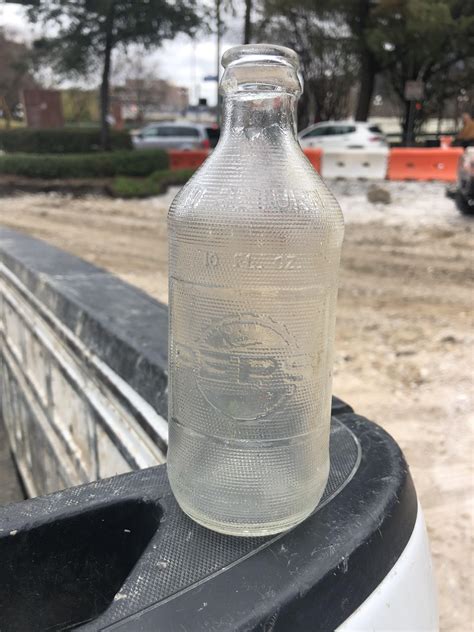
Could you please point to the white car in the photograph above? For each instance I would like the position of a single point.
(176, 136)
(343, 135)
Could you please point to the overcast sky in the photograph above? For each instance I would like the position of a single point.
(174, 60)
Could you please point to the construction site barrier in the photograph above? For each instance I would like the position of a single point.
(183, 159)
(314, 156)
(400, 163)
(192, 159)
(355, 163)
(414, 163)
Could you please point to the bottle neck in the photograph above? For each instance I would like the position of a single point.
(259, 117)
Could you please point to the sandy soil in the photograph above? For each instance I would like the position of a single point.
(404, 337)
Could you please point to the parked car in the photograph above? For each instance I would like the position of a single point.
(176, 136)
(343, 135)
(464, 193)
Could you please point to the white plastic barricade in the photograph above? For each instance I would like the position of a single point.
(355, 163)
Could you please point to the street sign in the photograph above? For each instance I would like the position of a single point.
(414, 90)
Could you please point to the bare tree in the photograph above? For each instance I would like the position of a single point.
(328, 64)
(137, 81)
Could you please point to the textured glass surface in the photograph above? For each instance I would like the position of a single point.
(254, 248)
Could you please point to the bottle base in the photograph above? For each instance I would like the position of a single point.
(243, 530)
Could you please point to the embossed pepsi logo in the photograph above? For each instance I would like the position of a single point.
(243, 369)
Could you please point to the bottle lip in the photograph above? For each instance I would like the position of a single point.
(260, 53)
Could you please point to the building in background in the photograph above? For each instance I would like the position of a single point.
(43, 108)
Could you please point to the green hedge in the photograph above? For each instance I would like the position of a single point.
(99, 165)
(59, 141)
(155, 184)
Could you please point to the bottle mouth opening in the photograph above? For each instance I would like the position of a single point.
(260, 53)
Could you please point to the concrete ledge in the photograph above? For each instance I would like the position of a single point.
(84, 358)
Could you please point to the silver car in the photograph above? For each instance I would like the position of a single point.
(176, 136)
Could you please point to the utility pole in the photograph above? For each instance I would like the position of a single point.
(194, 79)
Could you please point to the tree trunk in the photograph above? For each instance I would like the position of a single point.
(368, 64)
(302, 111)
(6, 111)
(218, 60)
(248, 22)
(104, 86)
(368, 69)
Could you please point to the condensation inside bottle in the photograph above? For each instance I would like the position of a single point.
(254, 248)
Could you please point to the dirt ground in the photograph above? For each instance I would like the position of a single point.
(404, 337)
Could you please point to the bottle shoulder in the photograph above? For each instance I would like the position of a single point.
(238, 191)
